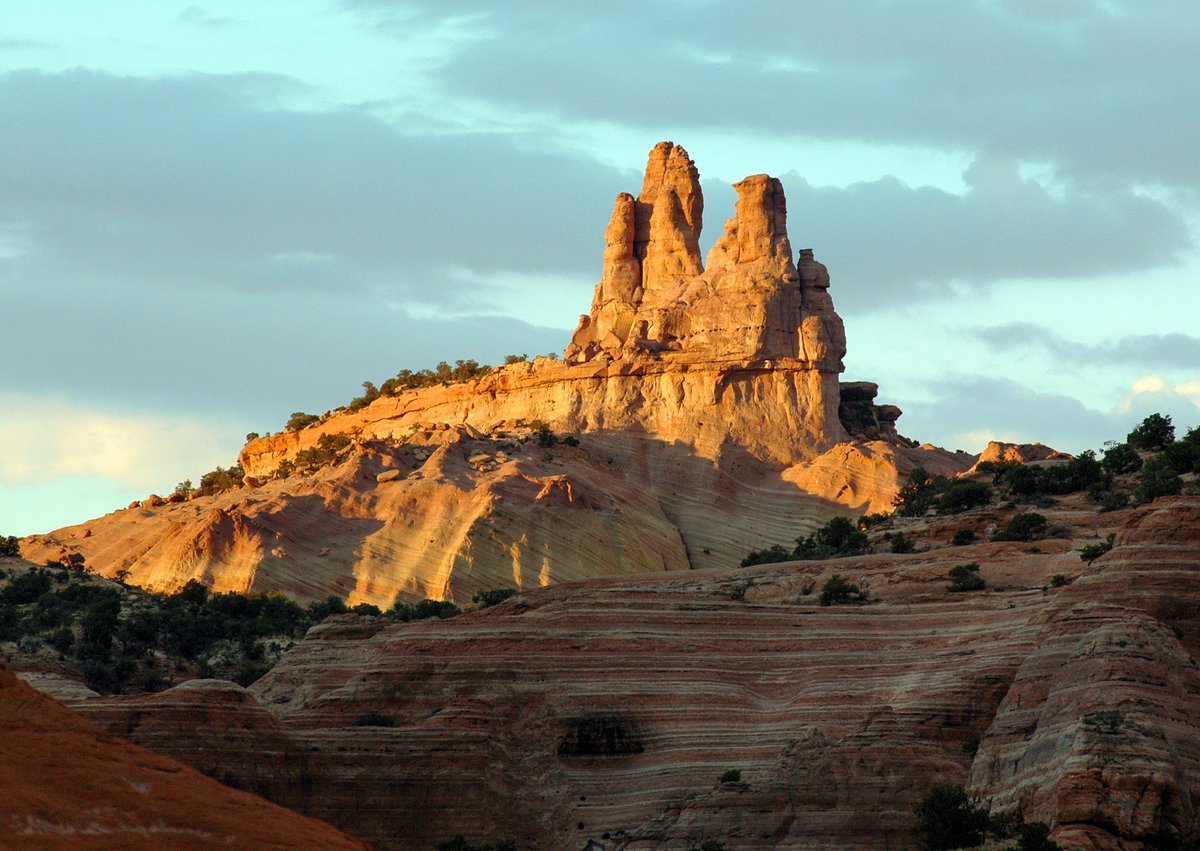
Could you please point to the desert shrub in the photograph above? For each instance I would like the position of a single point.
(1025, 526)
(842, 537)
(946, 819)
(1035, 836)
(1113, 501)
(1158, 478)
(299, 420)
(459, 843)
(869, 520)
(10, 546)
(366, 610)
(838, 591)
(708, 845)
(490, 598)
(733, 775)
(331, 605)
(838, 538)
(965, 577)
(1059, 580)
(221, 479)
(374, 719)
(1091, 552)
(918, 493)
(962, 537)
(770, 555)
(541, 431)
(510, 359)
(1120, 458)
(901, 545)
(571, 440)
(1107, 720)
(443, 373)
(962, 495)
(370, 394)
(26, 588)
(440, 609)
(1153, 433)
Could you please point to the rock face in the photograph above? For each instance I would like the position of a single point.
(69, 785)
(709, 411)
(611, 709)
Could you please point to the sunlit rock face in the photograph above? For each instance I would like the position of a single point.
(707, 405)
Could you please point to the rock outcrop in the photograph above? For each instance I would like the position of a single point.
(612, 708)
(70, 785)
(706, 400)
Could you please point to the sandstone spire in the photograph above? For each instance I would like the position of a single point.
(758, 229)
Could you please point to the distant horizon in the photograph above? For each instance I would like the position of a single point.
(213, 215)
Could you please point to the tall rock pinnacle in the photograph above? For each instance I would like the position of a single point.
(752, 302)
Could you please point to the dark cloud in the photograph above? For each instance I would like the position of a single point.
(205, 182)
(890, 243)
(209, 352)
(1091, 87)
(1152, 351)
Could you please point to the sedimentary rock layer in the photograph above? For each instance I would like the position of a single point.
(69, 785)
(611, 709)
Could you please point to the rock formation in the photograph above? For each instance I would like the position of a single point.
(69, 785)
(611, 709)
(707, 402)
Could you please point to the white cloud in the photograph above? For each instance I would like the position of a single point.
(48, 438)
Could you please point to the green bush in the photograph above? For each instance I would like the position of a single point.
(1091, 552)
(1035, 836)
(918, 493)
(10, 546)
(440, 609)
(838, 538)
(733, 775)
(838, 591)
(490, 598)
(299, 420)
(26, 588)
(1026, 526)
(459, 843)
(1153, 433)
(374, 719)
(1121, 458)
(965, 577)
(946, 819)
(1158, 478)
(221, 479)
(902, 545)
(963, 495)
(962, 537)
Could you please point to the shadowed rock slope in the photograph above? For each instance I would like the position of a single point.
(706, 400)
(69, 785)
(611, 709)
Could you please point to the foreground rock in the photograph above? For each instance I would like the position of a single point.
(69, 785)
(611, 709)
(706, 400)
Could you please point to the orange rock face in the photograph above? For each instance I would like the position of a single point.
(69, 785)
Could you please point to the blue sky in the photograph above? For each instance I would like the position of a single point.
(212, 215)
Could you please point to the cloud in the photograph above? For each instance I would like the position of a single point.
(1093, 87)
(893, 243)
(968, 410)
(1140, 350)
(207, 181)
(201, 17)
(53, 437)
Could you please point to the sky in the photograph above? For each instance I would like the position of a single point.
(213, 215)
